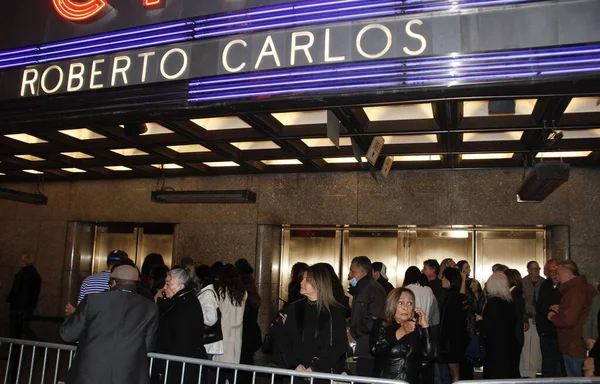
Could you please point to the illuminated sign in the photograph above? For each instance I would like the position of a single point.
(84, 11)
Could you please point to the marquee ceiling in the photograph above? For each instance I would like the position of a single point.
(442, 134)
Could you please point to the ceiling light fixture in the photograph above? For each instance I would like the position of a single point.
(33, 171)
(189, 148)
(73, 170)
(118, 168)
(221, 123)
(301, 118)
(167, 166)
(282, 162)
(559, 155)
(318, 143)
(255, 145)
(544, 178)
(220, 164)
(77, 155)
(82, 134)
(129, 152)
(203, 197)
(418, 158)
(23, 197)
(25, 138)
(30, 157)
(486, 156)
(492, 136)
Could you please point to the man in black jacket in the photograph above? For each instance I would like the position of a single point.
(23, 298)
(549, 296)
(367, 306)
(379, 274)
(115, 330)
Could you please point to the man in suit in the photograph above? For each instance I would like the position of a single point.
(23, 298)
(115, 330)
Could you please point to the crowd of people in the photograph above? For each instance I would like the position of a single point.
(436, 328)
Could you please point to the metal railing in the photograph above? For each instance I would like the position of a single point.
(23, 366)
(553, 380)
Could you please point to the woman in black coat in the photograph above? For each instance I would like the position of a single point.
(402, 343)
(311, 334)
(515, 284)
(453, 339)
(502, 350)
(180, 328)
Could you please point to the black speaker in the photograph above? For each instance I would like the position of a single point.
(501, 107)
(135, 129)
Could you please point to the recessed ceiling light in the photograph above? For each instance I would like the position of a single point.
(282, 162)
(33, 171)
(400, 112)
(82, 134)
(153, 129)
(190, 148)
(117, 168)
(301, 118)
(29, 157)
(217, 164)
(492, 136)
(129, 152)
(77, 155)
(485, 156)
(316, 143)
(167, 166)
(73, 170)
(583, 105)
(554, 155)
(480, 108)
(255, 145)
(25, 138)
(410, 139)
(581, 133)
(2, 174)
(418, 158)
(342, 160)
(221, 123)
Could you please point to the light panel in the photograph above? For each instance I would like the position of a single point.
(319, 143)
(418, 158)
(221, 164)
(153, 129)
(342, 160)
(492, 136)
(581, 134)
(221, 123)
(557, 155)
(410, 139)
(167, 166)
(82, 134)
(77, 155)
(73, 170)
(25, 138)
(282, 162)
(255, 145)
(118, 168)
(129, 152)
(480, 108)
(30, 157)
(190, 148)
(486, 156)
(583, 105)
(288, 119)
(33, 171)
(2, 174)
(400, 112)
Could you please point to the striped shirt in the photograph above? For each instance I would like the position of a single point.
(96, 283)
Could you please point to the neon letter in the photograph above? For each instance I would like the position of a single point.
(75, 76)
(164, 59)
(29, 82)
(117, 69)
(302, 47)
(226, 51)
(95, 73)
(421, 38)
(388, 36)
(61, 76)
(268, 49)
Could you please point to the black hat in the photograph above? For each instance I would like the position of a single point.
(243, 267)
(116, 256)
(378, 266)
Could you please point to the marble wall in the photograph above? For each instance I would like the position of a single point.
(227, 232)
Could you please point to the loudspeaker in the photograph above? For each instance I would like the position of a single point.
(543, 179)
(501, 107)
(135, 129)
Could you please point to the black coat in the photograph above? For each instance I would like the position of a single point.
(25, 290)
(115, 330)
(386, 285)
(367, 307)
(401, 359)
(325, 351)
(251, 333)
(180, 333)
(502, 350)
(548, 296)
(520, 315)
(453, 338)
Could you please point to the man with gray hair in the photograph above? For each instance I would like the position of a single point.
(367, 306)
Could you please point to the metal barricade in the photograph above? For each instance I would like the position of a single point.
(553, 380)
(36, 362)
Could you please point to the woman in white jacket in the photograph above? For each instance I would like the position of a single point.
(210, 305)
(232, 298)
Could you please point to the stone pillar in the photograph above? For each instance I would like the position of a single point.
(79, 252)
(558, 242)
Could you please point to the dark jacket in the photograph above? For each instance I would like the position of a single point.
(115, 330)
(251, 334)
(438, 291)
(386, 285)
(401, 359)
(575, 305)
(367, 306)
(180, 333)
(520, 315)
(548, 297)
(25, 290)
(324, 351)
(502, 349)
(453, 338)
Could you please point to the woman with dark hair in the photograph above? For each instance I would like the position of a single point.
(515, 283)
(424, 297)
(232, 298)
(158, 276)
(402, 343)
(251, 333)
(453, 330)
(311, 335)
(151, 261)
(215, 270)
(336, 284)
(296, 275)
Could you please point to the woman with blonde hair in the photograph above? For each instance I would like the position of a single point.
(310, 335)
(402, 343)
(499, 331)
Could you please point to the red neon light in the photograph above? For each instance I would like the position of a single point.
(81, 11)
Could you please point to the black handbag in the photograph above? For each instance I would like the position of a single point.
(267, 346)
(213, 333)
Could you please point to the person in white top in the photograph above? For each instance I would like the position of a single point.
(424, 297)
(210, 304)
(232, 298)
